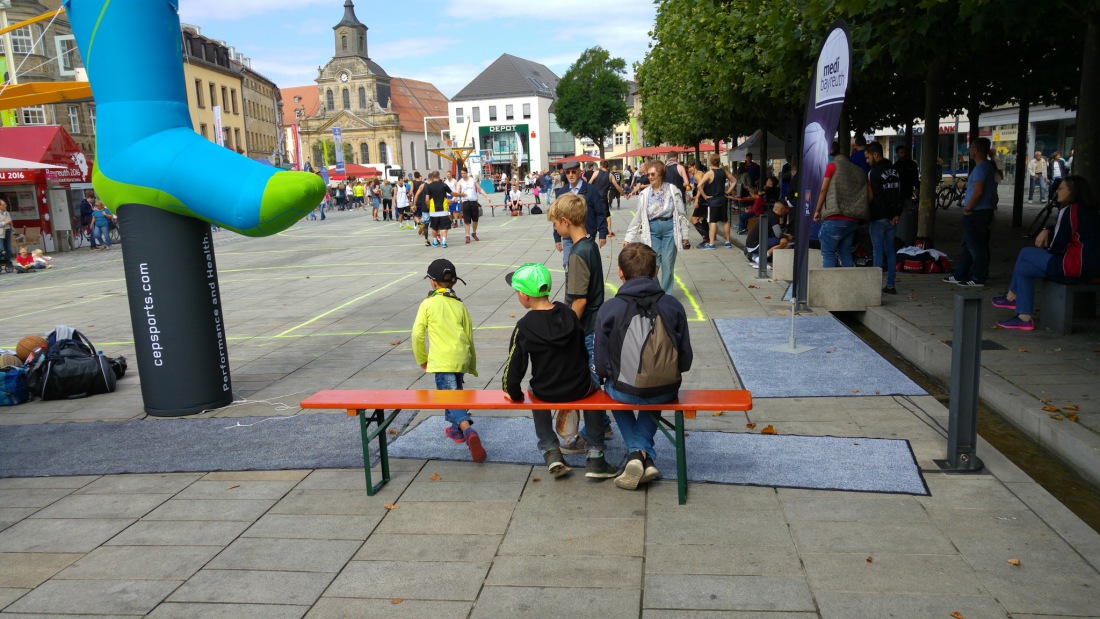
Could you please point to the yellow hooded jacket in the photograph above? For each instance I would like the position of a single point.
(443, 318)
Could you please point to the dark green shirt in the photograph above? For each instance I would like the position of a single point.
(585, 280)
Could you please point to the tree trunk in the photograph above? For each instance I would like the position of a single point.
(909, 137)
(1087, 142)
(973, 114)
(1021, 162)
(844, 135)
(926, 223)
(599, 144)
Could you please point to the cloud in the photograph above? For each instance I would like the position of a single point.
(449, 79)
(416, 47)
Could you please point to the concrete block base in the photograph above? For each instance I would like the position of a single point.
(845, 289)
(783, 263)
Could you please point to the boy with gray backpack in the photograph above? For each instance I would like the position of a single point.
(642, 347)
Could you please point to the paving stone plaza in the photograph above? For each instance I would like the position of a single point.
(330, 305)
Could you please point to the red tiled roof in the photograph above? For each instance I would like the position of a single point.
(412, 100)
(311, 98)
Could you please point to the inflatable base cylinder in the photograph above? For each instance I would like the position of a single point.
(176, 311)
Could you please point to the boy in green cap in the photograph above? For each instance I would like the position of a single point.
(552, 337)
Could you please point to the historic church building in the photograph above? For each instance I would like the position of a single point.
(380, 117)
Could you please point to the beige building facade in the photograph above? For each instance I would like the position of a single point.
(262, 114)
(213, 86)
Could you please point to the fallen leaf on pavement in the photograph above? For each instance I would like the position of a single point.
(1045, 401)
(435, 477)
(233, 486)
(307, 277)
(1071, 407)
(855, 442)
(1022, 350)
(750, 425)
(957, 615)
(870, 560)
(768, 297)
(877, 392)
(753, 286)
(717, 413)
(768, 429)
(536, 479)
(1051, 409)
(396, 601)
(391, 432)
(390, 506)
(1056, 416)
(855, 390)
(511, 315)
(1072, 417)
(395, 342)
(1014, 562)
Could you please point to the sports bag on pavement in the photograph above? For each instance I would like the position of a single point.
(644, 360)
(13, 385)
(70, 368)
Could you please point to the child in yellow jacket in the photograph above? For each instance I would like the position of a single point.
(443, 318)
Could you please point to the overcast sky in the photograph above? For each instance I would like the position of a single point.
(445, 42)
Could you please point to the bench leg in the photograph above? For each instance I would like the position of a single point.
(379, 417)
(1057, 308)
(677, 440)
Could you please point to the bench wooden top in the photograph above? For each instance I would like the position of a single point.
(352, 400)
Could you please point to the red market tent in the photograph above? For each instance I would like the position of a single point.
(582, 158)
(649, 151)
(352, 170)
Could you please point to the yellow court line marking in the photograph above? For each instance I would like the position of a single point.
(53, 308)
(343, 305)
(65, 285)
(694, 304)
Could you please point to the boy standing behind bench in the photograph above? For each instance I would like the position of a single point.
(551, 336)
(445, 321)
(642, 347)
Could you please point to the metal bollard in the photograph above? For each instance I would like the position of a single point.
(966, 355)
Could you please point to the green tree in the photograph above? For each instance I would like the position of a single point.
(592, 96)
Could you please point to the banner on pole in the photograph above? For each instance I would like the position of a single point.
(338, 138)
(823, 108)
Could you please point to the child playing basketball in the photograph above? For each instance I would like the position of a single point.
(450, 352)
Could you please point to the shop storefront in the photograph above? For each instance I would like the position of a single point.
(44, 199)
(500, 145)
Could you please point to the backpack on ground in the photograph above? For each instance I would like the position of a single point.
(13, 385)
(69, 368)
(645, 360)
(535, 210)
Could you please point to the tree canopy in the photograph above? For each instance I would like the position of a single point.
(591, 96)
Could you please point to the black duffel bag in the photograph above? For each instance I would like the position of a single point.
(68, 369)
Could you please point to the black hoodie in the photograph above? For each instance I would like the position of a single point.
(554, 341)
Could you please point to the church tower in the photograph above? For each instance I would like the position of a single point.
(350, 34)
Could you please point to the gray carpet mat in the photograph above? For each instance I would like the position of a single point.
(816, 462)
(304, 441)
(840, 365)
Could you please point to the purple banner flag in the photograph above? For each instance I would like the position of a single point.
(823, 108)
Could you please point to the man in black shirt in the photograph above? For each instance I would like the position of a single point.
(909, 173)
(885, 211)
(772, 222)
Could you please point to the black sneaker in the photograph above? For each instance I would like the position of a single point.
(555, 463)
(632, 471)
(971, 284)
(651, 471)
(889, 290)
(598, 468)
(950, 279)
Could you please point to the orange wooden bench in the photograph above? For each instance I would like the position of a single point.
(359, 402)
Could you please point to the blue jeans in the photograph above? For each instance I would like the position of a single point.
(10, 257)
(590, 345)
(662, 238)
(974, 261)
(638, 428)
(1041, 182)
(1031, 265)
(452, 381)
(836, 236)
(101, 234)
(882, 244)
(566, 247)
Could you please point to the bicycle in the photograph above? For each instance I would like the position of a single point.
(951, 192)
(1041, 219)
(80, 234)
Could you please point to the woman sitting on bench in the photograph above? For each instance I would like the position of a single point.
(1068, 252)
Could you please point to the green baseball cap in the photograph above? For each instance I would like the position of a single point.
(532, 279)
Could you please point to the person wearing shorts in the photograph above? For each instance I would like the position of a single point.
(471, 209)
(712, 192)
(438, 213)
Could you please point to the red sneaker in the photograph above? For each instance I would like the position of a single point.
(455, 434)
(1016, 323)
(475, 237)
(477, 452)
(467, 240)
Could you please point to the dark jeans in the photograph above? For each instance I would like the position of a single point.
(974, 261)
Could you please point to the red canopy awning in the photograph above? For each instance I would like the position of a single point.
(649, 151)
(582, 158)
(352, 170)
(47, 144)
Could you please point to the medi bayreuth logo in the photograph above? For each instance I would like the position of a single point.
(832, 69)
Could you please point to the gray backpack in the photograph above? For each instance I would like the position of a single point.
(644, 359)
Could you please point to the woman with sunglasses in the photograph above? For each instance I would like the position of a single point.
(660, 222)
(1068, 252)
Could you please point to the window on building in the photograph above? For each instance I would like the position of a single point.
(527, 110)
(227, 140)
(492, 113)
(362, 98)
(66, 54)
(346, 99)
(237, 138)
(508, 112)
(330, 101)
(233, 98)
(202, 130)
(458, 116)
(34, 115)
(383, 153)
(364, 153)
(225, 99)
(477, 114)
(74, 119)
(198, 93)
(412, 151)
(362, 44)
(22, 40)
(343, 43)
